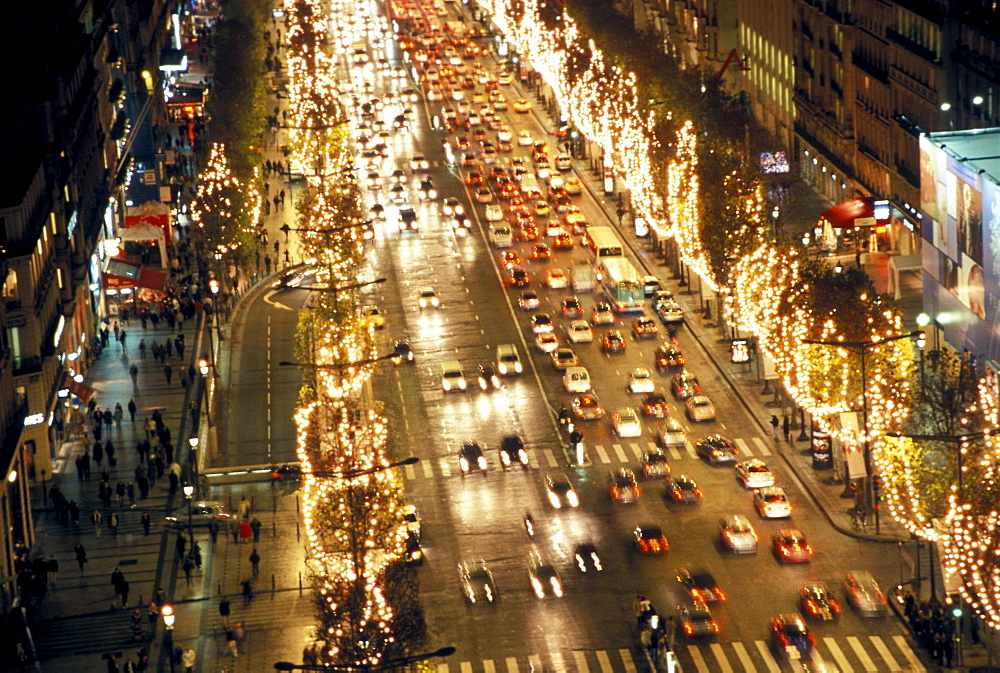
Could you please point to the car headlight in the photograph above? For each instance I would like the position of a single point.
(522, 455)
(503, 368)
(554, 500)
(537, 587)
(464, 464)
(573, 499)
(461, 384)
(481, 461)
(517, 367)
(557, 587)
(446, 385)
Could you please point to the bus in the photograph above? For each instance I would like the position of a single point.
(603, 242)
(621, 283)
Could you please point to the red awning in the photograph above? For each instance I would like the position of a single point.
(152, 279)
(80, 390)
(843, 215)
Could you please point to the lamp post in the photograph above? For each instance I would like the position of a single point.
(285, 229)
(342, 288)
(167, 612)
(213, 284)
(869, 491)
(384, 666)
(193, 454)
(189, 494)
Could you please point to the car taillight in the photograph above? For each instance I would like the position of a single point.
(783, 638)
(688, 628)
(881, 596)
(615, 492)
(811, 606)
(637, 490)
(696, 594)
(714, 626)
(720, 595)
(834, 605)
(812, 639)
(678, 495)
(697, 492)
(644, 546)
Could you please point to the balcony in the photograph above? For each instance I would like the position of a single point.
(859, 60)
(31, 364)
(912, 47)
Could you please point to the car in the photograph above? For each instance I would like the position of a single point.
(428, 299)
(649, 539)
(471, 457)
(521, 105)
(640, 380)
(684, 384)
(623, 487)
(524, 138)
(494, 213)
(564, 358)
(588, 560)
(402, 352)
(654, 405)
(560, 492)
(370, 315)
(717, 449)
(528, 232)
(864, 594)
(772, 503)
(556, 279)
(518, 277)
(644, 328)
(579, 332)
(754, 473)
(397, 194)
(419, 163)
(374, 181)
(700, 584)
(684, 490)
(202, 513)
(669, 432)
(650, 284)
(398, 177)
(696, 620)
(699, 409)
(817, 601)
(545, 582)
(512, 452)
(790, 636)
(426, 191)
(541, 322)
(508, 361)
(488, 379)
(547, 342)
(669, 312)
(586, 407)
(654, 463)
(542, 209)
(412, 520)
(613, 342)
(295, 278)
(529, 301)
(737, 534)
(571, 308)
(408, 219)
(573, 186)
(790, 546)
(625, 422)
(667, 356)
(477, 582)
(562, 241)
(602, 314)
(483, 195)
(452, 206)
(541, 251)
(576, 380)
(508, 259)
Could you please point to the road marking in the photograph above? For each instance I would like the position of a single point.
(601, 453)
(674, 453)
(904, 647)
(512, 665)
(764, 450)
(602, 659)
(550, 457)
(445, 464)
(884, 651)
(620, 452)
(744, 657)
(442, 668)
(626, 656)
(488, 666)
(743, 447)
(465, 667)
(690, 449)
(535, 661)
(428, 469)
(720, 657)
(862, 655)
(636, 450)
(410, 472)
(765, 654)
(558, 665)
(581, 661)
(699, 661)
(838, 655)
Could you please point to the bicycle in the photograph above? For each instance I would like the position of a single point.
(859, 519)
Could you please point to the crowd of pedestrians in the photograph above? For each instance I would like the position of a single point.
(934, 629)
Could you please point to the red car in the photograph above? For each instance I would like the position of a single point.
(562, 241)
(651, 540)
(667, 356)
(587, 408)
(790, 546)
(644, 328)
(541, 251)
(655, 405)
(528, 232)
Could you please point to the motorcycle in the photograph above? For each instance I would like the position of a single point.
(529, 525)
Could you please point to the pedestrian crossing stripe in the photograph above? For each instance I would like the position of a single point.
(744, 448)
(577, 661)
(620, 452)
(689, 447)
(762, 446)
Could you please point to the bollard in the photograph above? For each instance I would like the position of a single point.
(273, 584)
(300, 583)
(298, 505)
(218, 588)
(274, 500)
(274, 528)
(297, 531)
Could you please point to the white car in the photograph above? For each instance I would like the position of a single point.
(494, 212)
(524, 138)
(547, 342)
(452, 206)
(505, 134)
(754, 473)
(429, 299)
(640, 380)
(772, 503)
(576, 380)
(556, 279)
(626, 423)
(419, 163)
(580, 332)
(669, 432)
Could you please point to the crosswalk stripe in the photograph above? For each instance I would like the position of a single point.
(636, 450)
(601, 453)
(581, 661)
(765, 654)
(744, 657)
(535, 662)
(488, 666)
(904, 647)
(689, 447)
(512, 665)
(558, 665)
(862, 655)
(764, 450)
(838, 655)
(442, 668)
(410, 472)
(675, 453)
(620, 452)
(604, 661)
(744, 448)
(428, 470)
(626, 656)
(445, 465)
(465, 667)
(699, 661)
(550, 457)
(884, 651)
(720, 657)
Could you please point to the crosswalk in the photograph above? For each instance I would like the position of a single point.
(846, 654)
(616, 453)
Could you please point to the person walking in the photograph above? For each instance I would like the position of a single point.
(168, 372)
(213, 529)
(133, 371)
(146, 523)
(142, 349)
(118, 414)
(97, 519)
(637, 609)
(255, 526)
(81, 555)
(180, 546)
(245, 531)
(786, 428)
(774, 427)
(121, 340)
(182, 375)
(224, 611)
(247, 588)
(188, 659)
(113, 523)
(255, 562)
(188, 567)
(52, 566)
(132, 408)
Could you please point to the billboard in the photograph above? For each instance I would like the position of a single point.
(960, 207)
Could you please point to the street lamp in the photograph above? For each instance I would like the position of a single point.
(203, 366)
(285, 229)
(869, 495)
(167, 611)
(342, 288)
(352, 474)
(193, 453)
(384, 666)
(342, 365)
(189, 494)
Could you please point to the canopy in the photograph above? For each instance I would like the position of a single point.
(843, 215)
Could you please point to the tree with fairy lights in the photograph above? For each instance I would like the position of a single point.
(223, 209)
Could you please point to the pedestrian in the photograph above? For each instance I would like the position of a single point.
(256, 525)
(247, 586)
(637, 609)
(146, 523)
(232, 644)
(188, 567)
(113, 523)
(142, 347)
(670, 634)
(109, 451)
(244, 508)
(255, 562)
(213, 529)
(168, 372)
(130, 491)
(98, 454)
(188, 659)
(224, 611)
(119, 414)
(180, 546)
(113, 664)
(123, 590)
(133, 371)
(234, 530)
(143, 483)
(245, 531)
(81, 555)
(121, 340)
(774, 427)
(196, 555)
(109, 418)
(646, 638)
(786, 428)
(183, 377)
(97, 518)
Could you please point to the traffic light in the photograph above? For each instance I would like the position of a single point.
(956, 611)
